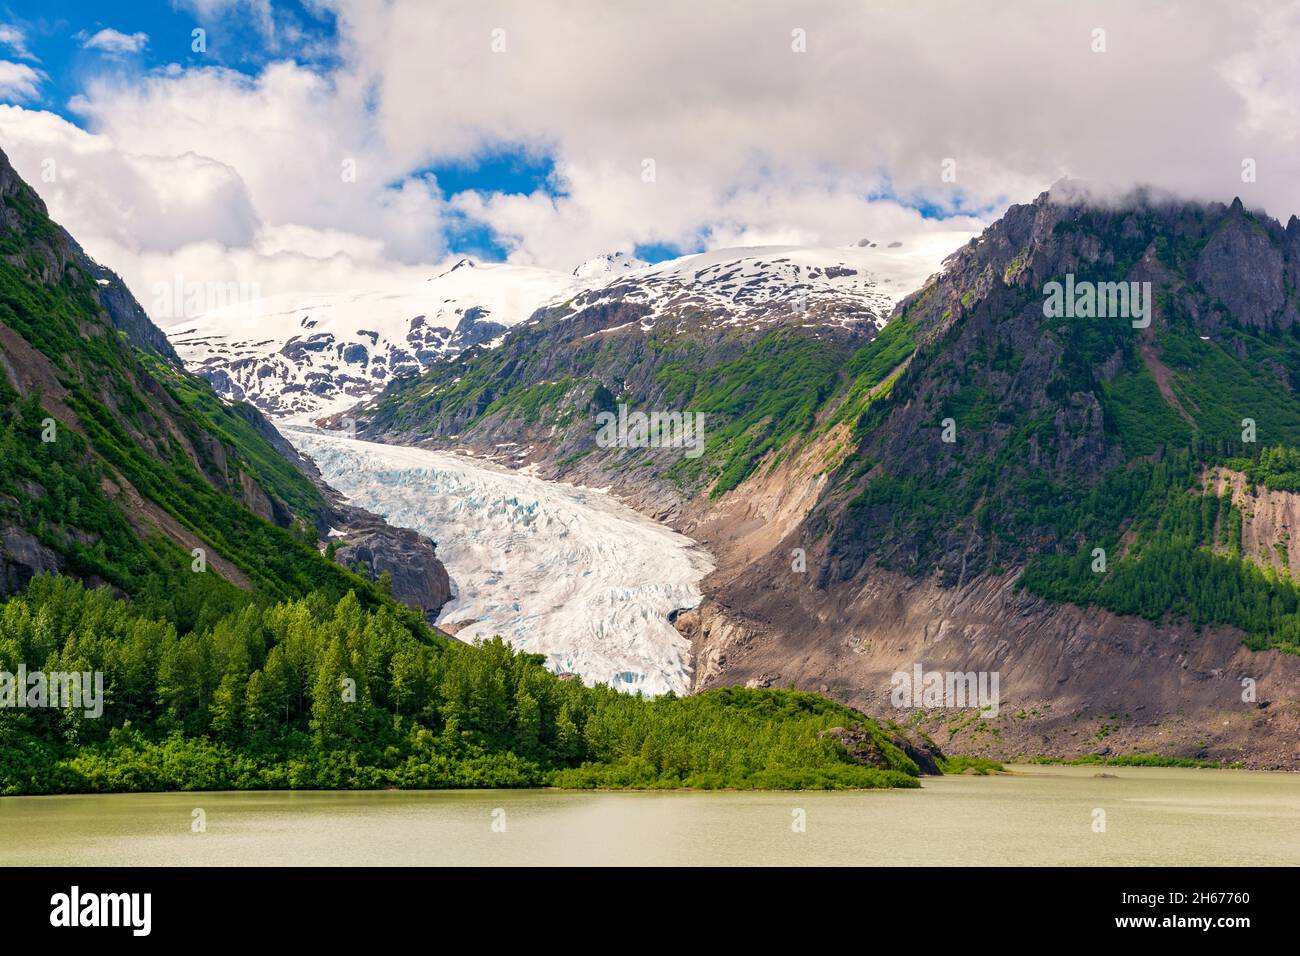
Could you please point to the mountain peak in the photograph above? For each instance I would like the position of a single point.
(611, 263)
(464, 262)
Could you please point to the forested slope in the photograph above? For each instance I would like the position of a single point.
(162, 542)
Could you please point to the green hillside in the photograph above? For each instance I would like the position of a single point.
(265, 665)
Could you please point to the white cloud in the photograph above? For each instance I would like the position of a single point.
(740, 125)
(139, 201)
(301, 143)
(257, 12)
(602, 212)
(752, 142)
(16, 39)
(109, 40)
(18, 81)
(1266, 76)
(153, 216)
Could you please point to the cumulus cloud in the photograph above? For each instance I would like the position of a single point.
(731, 122)
(154, 216)
(1014, 94)
(109, 40)
(603, 211)
(148, 202)
(302, 143)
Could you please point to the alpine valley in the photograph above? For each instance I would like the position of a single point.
(251, 630)
(907, 463)
(913, 463)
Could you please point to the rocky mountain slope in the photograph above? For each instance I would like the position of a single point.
(940, 492)
(117, 466)
(1074, 439)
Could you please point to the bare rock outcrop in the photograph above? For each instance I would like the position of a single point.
(420, 580)
(1072, 681)
(22, 557)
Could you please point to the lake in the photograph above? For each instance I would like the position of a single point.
(1037, 816)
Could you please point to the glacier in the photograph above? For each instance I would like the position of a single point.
(555, 569)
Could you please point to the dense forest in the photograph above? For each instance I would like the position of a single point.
(317, 693)
(1183, 558)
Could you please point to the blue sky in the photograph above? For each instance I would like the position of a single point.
(512, 170)
(57, 30)
(59, 40)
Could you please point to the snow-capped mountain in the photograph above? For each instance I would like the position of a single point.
(304, 357)
(308, 357)
(608, 265)
(814, 286)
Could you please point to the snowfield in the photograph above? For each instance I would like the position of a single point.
(555, 569)
(302, 358)
(841, 286)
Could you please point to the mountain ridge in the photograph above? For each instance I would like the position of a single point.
(169, 544)
(1043, 413)
(1070, 433)
(305, 358)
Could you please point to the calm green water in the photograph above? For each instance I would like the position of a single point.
(1041, 815)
